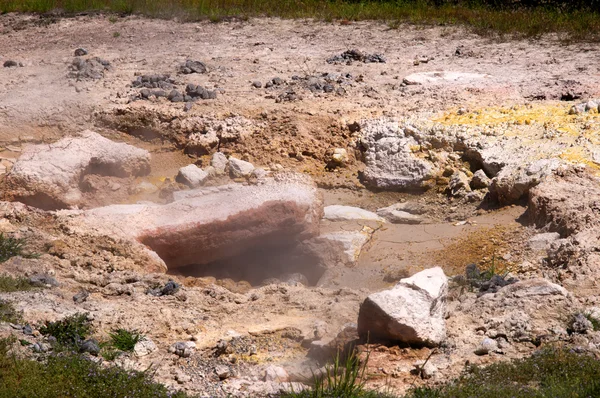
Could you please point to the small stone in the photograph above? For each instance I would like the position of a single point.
(188, 106)
(577, 109)
(240, 168)
(81, 296)
(276, 374)
(581, 324)
(425, 370)
(459, 184)
(223, 372)
(591, 105)
(486, 346)
(184, 349)
(192, 176)
(144, 347)
(10, 64)
(90, 346)
(182, 377)
(256, 84)
(480, 180)
(27, 330)
(339, 157)
(80, 52)
(277, 81)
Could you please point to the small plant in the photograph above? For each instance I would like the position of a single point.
(8, 313)
(595, 321)
(12, 247)
(116, 34)
(342, 379)
(125, 340)
(112, 19)
(70, 331)
(9, 284)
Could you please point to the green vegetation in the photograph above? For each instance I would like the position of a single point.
(69, 331)
(9, 284)
(125, 340)
(595, 321)
(552, 372)
(70, 375)
(342, 379)
(8, 313)
(11, 246)
(577, 19)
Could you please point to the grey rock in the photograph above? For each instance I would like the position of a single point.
(277, 81)
(480, 180)
(395, 216)
(90, 346)
(10, 64)
(543, 241)
(173, 94)
(183, 349)
(424, 369)
(486, 346)
(43, 280)
(81, 297)
(188, 106)
(581, 324)
(80, 52)
(41, 347)
(144, 347)
(27, 330)
(193, 67)
(256, 84)
(223, 372)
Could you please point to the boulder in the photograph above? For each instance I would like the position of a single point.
(48, 176)
(391, 162)
(211, 224)
(219, 162)
(514, 182)
(192, 176)
(480, 180)
(411, 312)
(349, 213)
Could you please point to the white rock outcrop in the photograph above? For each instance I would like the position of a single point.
(192, 176)
(411, 312)
(48, 175)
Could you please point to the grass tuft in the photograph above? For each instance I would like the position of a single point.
(125, 340)
(70, 331)
(12, 247)
(8, 313)
(9, 284)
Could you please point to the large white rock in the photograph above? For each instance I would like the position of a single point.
(211, 224)
(191, 175)
(390, 158)
(219, 162)
(411, 312)
(48, 175)
(349, 213)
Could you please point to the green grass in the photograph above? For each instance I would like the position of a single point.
(553, 372)
(12, 247)
(69, 331)
(342, 379)
(576, 22)
(70, 375)
(8, 313)
(125, 340)
(9, 284)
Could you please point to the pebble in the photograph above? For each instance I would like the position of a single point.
(80, 52)
(256, 84)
